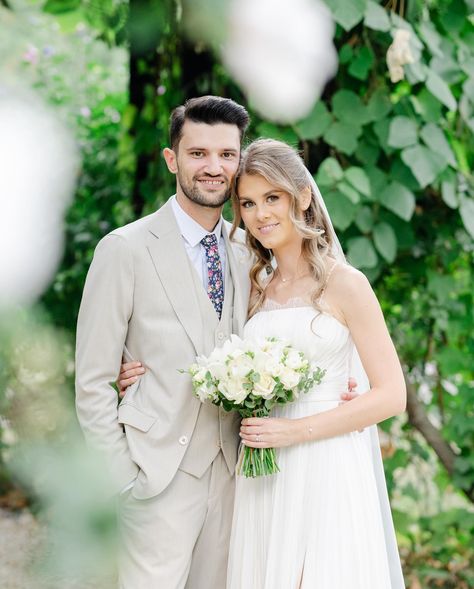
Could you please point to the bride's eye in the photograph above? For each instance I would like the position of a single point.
(272, 198)
(246, 204)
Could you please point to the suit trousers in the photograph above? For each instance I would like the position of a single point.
(180, 538)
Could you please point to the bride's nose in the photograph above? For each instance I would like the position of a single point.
(262, 212)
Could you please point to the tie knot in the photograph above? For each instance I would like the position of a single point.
(209, 241)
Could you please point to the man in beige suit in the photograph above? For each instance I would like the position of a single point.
(164, 289)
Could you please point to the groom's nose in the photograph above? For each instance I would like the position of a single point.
(213, 165)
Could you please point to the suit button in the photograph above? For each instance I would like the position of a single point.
(183, 440)
(220, 336)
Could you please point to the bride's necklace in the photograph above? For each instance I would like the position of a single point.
(291, 278)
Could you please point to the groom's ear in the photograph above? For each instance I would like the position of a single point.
(170, 159)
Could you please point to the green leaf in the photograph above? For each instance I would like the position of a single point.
(286, 134)
(350, 192)
(345, 53)
(367, 153)
(381, 130)
(449, 189)
(435, 139)
(359, 179)
(402, 132)
(343, 137)
(424, 163)
(61, 6)
(376, 17)
(385, 241)
(364, 219)
(329, 172)
(378, 180)
(315, 124)
(427, 106)
(341, 209)
(348, 107)
(362, 64)
(347, 14)
(361, 253)
(467, 214)
(398, 199)
(438, 87)
(379, 105)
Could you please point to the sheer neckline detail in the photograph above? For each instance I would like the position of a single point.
(291, 303)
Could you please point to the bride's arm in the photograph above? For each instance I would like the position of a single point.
(355, 300)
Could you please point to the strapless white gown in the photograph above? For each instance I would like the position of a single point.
(317, 524)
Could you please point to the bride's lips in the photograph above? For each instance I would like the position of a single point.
(266, 229)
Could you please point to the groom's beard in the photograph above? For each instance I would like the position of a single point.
(193, 191)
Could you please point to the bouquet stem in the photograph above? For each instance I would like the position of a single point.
(256, 462)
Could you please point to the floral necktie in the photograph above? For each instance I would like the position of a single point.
(215, 283)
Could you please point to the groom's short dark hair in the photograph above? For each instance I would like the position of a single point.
(210, 110)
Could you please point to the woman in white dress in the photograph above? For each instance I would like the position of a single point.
(323, 521)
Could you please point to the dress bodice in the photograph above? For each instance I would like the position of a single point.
(325, 340)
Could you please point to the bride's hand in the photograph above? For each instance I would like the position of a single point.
(130, 372)
(270, 432)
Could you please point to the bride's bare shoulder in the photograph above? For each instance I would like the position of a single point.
(347, 282)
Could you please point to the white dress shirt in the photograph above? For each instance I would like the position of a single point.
(192, 234)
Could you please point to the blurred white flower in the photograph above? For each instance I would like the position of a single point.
(281, 53)
(39, 166)
(399, 54)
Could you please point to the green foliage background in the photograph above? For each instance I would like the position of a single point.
(393, 161)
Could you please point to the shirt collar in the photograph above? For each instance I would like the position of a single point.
(189, 228)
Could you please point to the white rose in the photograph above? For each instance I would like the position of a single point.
(217, 369)
(240, 366)
(294, 360)
(233, 390)
(289, 378)
(205, 392)
(264, 387)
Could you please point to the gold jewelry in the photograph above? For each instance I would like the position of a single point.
(292, 278)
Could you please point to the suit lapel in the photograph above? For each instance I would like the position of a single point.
(241, 288)
(173, 267)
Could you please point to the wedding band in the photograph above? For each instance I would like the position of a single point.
(257, 438)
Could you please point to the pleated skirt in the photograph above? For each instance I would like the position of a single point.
(314, 525)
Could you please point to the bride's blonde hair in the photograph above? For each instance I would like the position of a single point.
(282, 167)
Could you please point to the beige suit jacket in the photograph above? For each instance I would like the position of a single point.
(139, 297)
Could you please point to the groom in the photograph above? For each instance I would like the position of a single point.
(164, 289)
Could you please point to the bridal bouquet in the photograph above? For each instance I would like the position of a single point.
(252, 377)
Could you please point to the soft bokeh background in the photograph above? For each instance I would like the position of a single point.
(86, 89)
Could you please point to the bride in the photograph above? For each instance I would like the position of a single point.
(322, 522)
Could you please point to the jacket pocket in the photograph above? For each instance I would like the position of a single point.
(129, 415)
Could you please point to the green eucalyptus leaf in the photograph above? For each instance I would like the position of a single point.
(347, 14)
(381, 130)
(341, 209)
(402, 132)
(367, 153)
(427, 106)
(449, 189)
(438, 87)
(349, 191)
(376, 17)
(348, 107)
(343, 136)
(359, 179)
(361, 253)
(379, 105)
(61, 6)
(282, 133)
(398, 199)
(435, 139)
(385, 241)
(315, 124)
(329, 172)
(425, 164)
(362, 64)
(466, 209)
(364, 219)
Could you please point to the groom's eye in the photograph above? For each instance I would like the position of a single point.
(197, 153)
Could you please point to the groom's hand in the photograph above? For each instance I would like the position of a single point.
(351, 390)
(130, 372)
